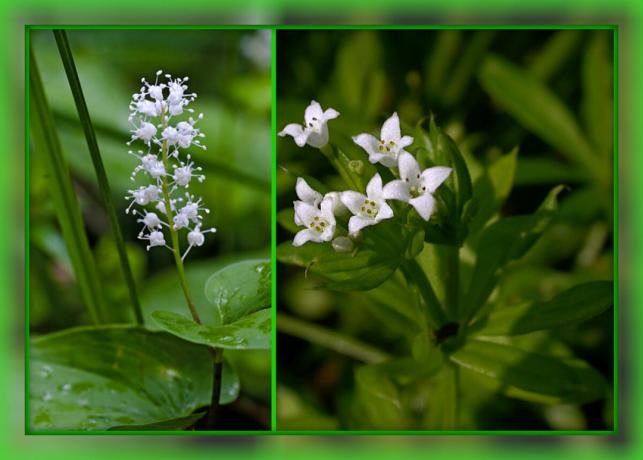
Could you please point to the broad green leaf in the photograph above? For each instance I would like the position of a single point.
(492, 189)
(373, 261)
(95, 378)
(378, 400)
(574, 305)
(179, 423)
(240, 289)
(531, 376)
(501, 242)
(538, 109)
(598, 93)
(253, 331)
(163, 291)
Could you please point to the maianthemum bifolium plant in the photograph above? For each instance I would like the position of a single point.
(397, 234)
(115, 376)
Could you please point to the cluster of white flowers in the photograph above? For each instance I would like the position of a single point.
(152, 110)
(317, 213)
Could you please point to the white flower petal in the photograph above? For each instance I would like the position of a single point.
(409, 167)
(385, 211)
(369, 143)
(352, 200)
(396, 190)
(424, 205)
(317, 140)
(374, 187)
(314, 110)
(432, 178)
(305, 211)
(327, 211)
(304, 236)
(327, 234)
(306, 193)
(386, 160)
(405, 142)
(297, 132)
(330, 114)
(391, 129)
(356, 223)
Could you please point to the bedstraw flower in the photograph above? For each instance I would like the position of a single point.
(389, 146)
(314, 131)
(416, 187)
(319, 222)
(368, 209)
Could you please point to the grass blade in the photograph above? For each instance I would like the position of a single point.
(103, 184)
(46, 142)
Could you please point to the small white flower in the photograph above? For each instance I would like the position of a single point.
(306, 194)
(367, 209)
(145, 132)
(338, 207)
(155, 238)
(156, 91)
(196, 238)
(142, 196)
(151, 220)
(191, 209)
(320, 222)
(149, 108)
(415, 187)
(180, 221)
(314, 132)
(183, 174)
(171, 135)
(386, 149)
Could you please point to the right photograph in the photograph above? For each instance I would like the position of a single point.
(445, 230)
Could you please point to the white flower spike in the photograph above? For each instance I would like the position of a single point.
(390, 145)
(368, 209)
(151, 115)
(319, 222)
(416, 187)
(314, 131)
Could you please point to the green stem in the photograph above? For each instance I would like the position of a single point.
(103, 184)
(217, 353)
(416, 277)
(452, 280)
(330, 339)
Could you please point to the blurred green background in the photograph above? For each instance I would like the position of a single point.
(230, 71)
(548, 92)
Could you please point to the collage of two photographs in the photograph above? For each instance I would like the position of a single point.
(320, 230)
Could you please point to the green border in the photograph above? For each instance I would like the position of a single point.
(274, 428)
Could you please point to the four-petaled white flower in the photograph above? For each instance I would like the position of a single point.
(314, 132)
(390, 145)
(319, 222)
(416, 187)
(367, 209)
(306, 194)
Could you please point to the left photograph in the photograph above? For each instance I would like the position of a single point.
(149, 276)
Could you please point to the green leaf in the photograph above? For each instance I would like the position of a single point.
(531, 376)
(539, 110)
(94, 378)
(555, 53)
(240, 289)
(501, 242)
(597, 106)
(46, 144)
(492, 189)
(378, 400)
(442, 408)
(179, 423)
(375, 259)
(253, 331)
(574, 305)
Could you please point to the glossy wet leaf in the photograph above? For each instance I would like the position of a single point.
(95, 378)
(538, 109)
(574, 305)
(532, 376)
(253, 331)
(501, 242)
(179, 423)
(240, 289)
